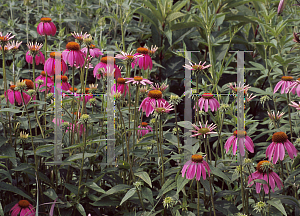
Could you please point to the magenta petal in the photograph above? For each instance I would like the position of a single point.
(198, 173)
(276, 154)
(234, 146)
(186, 165)
(277, 86)
(228, 143)
(281, 151)
(241, 146)
(190, 174)
(206, 105)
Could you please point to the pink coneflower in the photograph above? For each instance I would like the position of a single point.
(264, 172)
(153, 95)
(161, 88)
(73, 55)
(295, 87)
(13, 46)
(204, 131)
(5, 38)
(195, 166)
(34, 51)
(121, 86)
(24, 208)
(15, 96)
(208, 98)
(50, 64)
(138, 80)
(284, 83)
(294, 104)
(161, 107)
(274, 116)
(79, 36)
(129, 57)
(88, 96)
(196, 67)
(238, 88)
(65, 85)
(46, 27)
(233, 141)
(42, 77)
(104, 63)
(93, 51)
(145, 128)
(276, 148)
(145, 62)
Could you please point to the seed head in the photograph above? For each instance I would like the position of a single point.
(168, 202)
(260, 207)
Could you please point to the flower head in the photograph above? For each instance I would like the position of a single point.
(46, 27)
(5, 38)
(208, 98)
(197, 68)
(260, 207)
(264, 171)
(204, 131)
(161, 107)
(239, 88)
(281, 6)
(276, 148)
(93, 51)
(175, 99)
(153, 96)
(79, 36)
(152, 51)
(242, 137)
(73, 55)
(144, 62)
(129, 57)
(144, 129)
(105, 67)
(23, 207)
(34, 51)
(285, 84)
(169, 202)
(274, 116)
(161, 88)
(138, 80)
(294, 104)
(13, 46)
(23, 136)
(195, 166)
(50, 64)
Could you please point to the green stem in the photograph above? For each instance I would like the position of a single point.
(161, 149)
(135, 120)
(211, 194)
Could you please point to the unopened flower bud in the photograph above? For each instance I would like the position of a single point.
(50, 96)
(85, 118)
(23, 136)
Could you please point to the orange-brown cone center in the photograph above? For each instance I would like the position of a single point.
(54, 54)
(106, 59)
(279, 137)
(73, 46)
(144, 124)
(240, 133)
(46, 19)
(87, 90)
(156, 94)
(197, 67)
(260, 169)
(121, 80)
(207, 95)
(287, 78)
(92, 46)
(29, 84)
(43, 73)
(197, 158)
(203, 130)
(64, 78)
(142, 50)
(23, 203)
(12, 87)
(138, 78)
(73, 90)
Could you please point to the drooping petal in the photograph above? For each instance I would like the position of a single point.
(276, 154)
(198, 172)
(186, 165)
(190, 174)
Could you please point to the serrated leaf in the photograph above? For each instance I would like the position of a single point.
(129, 194)
(145, 177)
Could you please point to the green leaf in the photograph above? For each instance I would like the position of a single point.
(95, 187)
(51, 193)
(145, 177)
(181, 182)
(80, 209)
(149, 16)
(185, 124)
(10, 110)
(129, 194)
(296, 162)
(147, 194)
(216, 171)
(185, 25)
(173, 16)
(277, 204)
(8, 187)
(115, 189)
(79, 156)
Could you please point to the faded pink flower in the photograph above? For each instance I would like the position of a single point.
(285, 83)
(138, 80)
(234, 139)
(204, 131)
(195, 166)
(34, 51)
(196, 67)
